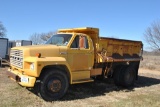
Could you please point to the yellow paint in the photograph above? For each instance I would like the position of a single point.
(80, 75)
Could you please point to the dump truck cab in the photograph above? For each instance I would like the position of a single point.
(76, 47)
(74, 56)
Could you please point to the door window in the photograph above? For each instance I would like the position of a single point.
(80, 42)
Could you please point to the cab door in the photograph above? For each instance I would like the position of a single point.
(80, 54)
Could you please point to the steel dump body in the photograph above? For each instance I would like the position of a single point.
(111, 49)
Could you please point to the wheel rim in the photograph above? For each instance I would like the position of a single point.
(130, 76)
(54, 85)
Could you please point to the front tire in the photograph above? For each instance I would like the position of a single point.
(53, 85)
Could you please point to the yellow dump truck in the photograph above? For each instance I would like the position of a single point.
(73, 56)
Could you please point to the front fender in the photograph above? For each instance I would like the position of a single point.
(40, 63)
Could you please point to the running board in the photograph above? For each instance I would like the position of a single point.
(82, 81)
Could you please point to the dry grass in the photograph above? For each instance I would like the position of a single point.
(146, 92)
(151, 62)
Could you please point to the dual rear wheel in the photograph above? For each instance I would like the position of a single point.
(124, 75)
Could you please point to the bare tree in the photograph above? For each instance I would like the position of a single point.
(40, 38)
(36, 39)
(152, 35)
(46, 36)
(2, 30)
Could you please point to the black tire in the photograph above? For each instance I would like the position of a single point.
(117, 73)
(128, 77)
(53, 85)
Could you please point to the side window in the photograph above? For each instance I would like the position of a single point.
(75, 42)
(80, 42)
(86, 42)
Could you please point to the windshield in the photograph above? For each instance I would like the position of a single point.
(59, 39)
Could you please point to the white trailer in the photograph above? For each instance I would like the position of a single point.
(11, 44)
(3, 49)
(14, 43)
(23, 42)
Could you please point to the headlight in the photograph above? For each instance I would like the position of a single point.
(32, 66)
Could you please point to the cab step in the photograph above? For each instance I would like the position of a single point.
(82, 81)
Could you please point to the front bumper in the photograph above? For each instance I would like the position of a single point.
(24, 80)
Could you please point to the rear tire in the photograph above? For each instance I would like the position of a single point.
(53, 85)
(124, 75)
(128, 76)
(117, 73)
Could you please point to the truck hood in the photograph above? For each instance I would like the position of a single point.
(45, 50)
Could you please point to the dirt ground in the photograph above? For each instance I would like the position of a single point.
(145, 93)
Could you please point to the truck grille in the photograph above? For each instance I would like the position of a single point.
(16, 58)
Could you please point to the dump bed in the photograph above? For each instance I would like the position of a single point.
(111, 49)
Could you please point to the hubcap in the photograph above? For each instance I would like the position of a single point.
(54, 85)
(129, 77)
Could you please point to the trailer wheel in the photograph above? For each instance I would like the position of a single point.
(128, 76)
(53, 85)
